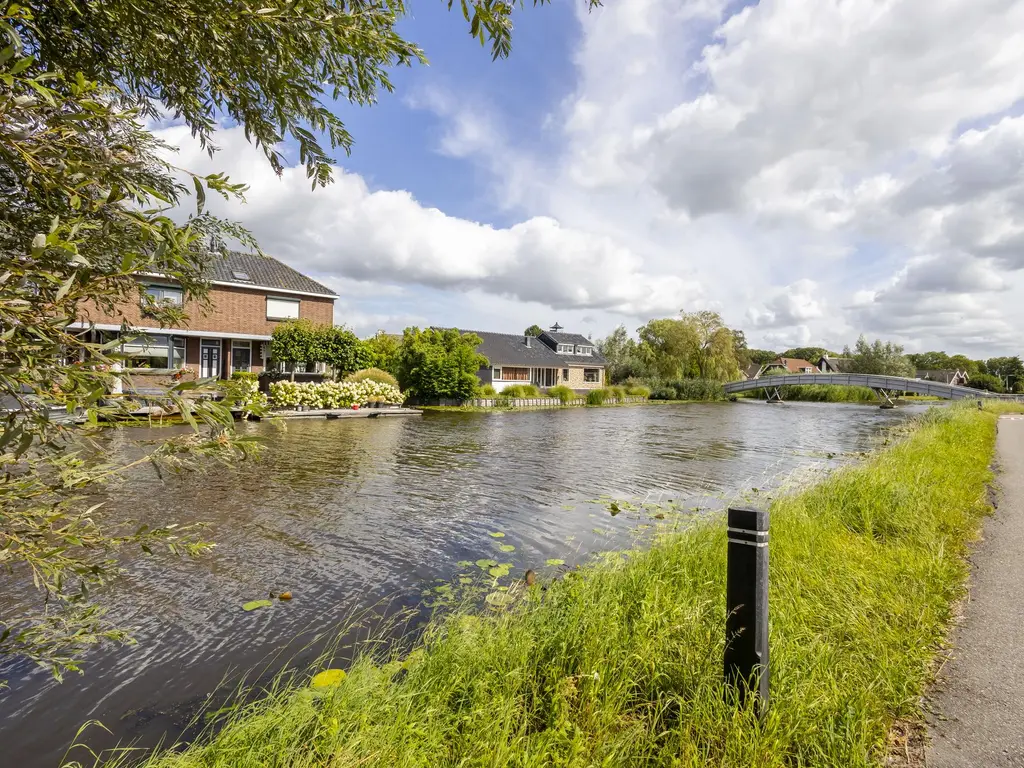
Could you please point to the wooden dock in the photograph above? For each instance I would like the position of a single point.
(344, 413)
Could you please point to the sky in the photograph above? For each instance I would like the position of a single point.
(810, 169)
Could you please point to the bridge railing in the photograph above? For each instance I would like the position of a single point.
(870, 380)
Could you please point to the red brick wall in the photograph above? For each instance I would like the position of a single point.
(234, 310)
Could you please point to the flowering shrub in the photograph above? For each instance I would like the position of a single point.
(244, 392)
(332, 394)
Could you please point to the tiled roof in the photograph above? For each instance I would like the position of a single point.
(511, 349)
(792, 364)
(577, 340)
(263, 271)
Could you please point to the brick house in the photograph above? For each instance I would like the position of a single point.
(790, 365)
(249, 296)
(552, 359)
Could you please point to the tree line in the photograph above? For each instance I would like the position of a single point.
(698, 345)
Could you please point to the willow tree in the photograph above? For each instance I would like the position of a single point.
(86, 204)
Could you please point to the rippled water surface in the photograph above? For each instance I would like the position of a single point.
(347, 513)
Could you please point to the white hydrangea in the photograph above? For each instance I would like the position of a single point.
(332, 394)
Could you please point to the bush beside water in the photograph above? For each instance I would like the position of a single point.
(332, 394)
(688, 389)
(619, 663)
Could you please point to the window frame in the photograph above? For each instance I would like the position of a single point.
(158, 288)
(595, 371)
(283, 300)
(584, 350)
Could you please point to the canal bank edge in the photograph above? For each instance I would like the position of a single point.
(620, 664)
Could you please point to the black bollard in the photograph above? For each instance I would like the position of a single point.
(746, 625)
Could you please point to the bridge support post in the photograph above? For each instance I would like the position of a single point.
(885, 396)
(772, 395)
(746, 622)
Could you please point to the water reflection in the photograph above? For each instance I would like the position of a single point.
(345, 513)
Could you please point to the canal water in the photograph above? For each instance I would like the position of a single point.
(346, 514)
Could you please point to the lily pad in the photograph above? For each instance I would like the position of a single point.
(499, 599)
(327, 678)
(253, 605)
(465, 580)
(497, 534)
(555, 561)
(464, 563)
(506, 548)
(486, 563)
(499, 571)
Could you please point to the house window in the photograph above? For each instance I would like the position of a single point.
(241, 355)
(592, 375)
(155, 351)
(282, 309)
(513, 374)
(164, 294)
(584, 350)
(565, 374)
(496, 376)
(565, 349)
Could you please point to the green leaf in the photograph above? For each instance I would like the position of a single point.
(328, 678)
(554, 561)
(254, 605)
(499, 571)
(496, 534)
(485, 563)
(506, 548)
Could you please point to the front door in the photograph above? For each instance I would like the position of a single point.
(209, 360)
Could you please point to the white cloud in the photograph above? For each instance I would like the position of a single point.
(793, 305)
(350, 232)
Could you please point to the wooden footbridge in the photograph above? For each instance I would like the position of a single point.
(886, 387)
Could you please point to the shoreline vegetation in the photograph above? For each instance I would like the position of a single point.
(619, 663)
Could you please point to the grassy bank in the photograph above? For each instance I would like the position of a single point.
(620, 664)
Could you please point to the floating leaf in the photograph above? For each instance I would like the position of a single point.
(253, 605)
(465, 580)
(486, 563)
(499, 571)
(568, 507)
(464, 563)
(506, 548)
(327, 678)
(555, 561)
(499, 599)
(443, 589)
(496, 534)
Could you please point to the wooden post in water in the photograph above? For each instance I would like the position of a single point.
(746, 624)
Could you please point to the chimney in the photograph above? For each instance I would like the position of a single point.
(527, 338)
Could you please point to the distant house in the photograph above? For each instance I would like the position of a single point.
(835, 364)
(752, 371)
(549, 360)
(791, 365)
(945, 376)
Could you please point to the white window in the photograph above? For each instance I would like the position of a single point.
(497, 374)
(282, 309)
(165, 294)
(241, 356)
(584, 350)
(565, 349)
(155, 351)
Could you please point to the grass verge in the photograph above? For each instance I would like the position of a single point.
(619, 664)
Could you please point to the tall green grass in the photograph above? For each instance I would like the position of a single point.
(620, 664)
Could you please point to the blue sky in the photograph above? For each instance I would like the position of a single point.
(811, 169)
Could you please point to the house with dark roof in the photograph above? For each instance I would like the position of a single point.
(952, 376)
(549, 360)
(828, 364)
(249, 296)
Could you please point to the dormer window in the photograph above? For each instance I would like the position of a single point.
(565, 349)
(581, 350)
